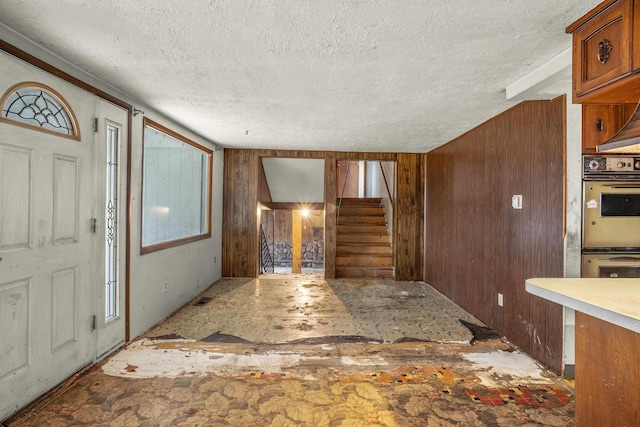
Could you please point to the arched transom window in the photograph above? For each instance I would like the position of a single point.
(37, 106)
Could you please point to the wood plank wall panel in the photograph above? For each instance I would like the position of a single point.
(268, 219)
(283, 226)
(477, 246)
(410, 222)
(240, 189)
(240, 220)
(348, 178)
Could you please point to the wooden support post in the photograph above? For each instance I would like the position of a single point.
(296, 242)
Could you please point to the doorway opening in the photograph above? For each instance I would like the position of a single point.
(295, 240)
(291, 216)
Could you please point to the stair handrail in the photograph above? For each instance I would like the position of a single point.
(266, 259)
(344, 185)
(386, 184)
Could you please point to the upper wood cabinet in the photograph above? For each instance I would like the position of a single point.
(606, 60)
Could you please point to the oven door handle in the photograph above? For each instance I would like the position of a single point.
(622, 186)
(621, 259)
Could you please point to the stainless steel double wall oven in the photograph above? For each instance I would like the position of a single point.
(611, 216)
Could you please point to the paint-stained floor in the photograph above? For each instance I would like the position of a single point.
(304, 351)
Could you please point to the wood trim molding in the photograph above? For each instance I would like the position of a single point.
(37, 62)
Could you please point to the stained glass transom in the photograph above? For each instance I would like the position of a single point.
(39, 108)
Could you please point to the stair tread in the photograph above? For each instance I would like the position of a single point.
(368, 245)
(358, 226)
(364, 261)
(362, 207)
(360, 199)
(361, 251)
(344, 219)
(372, 232)
(364, 256)
(365, 233)
(344, 239)
(363, 222)
(365, 272)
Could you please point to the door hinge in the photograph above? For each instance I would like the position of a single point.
(95, 125)
(94, 321)
(94, 225)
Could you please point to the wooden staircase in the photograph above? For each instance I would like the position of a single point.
(363, 246)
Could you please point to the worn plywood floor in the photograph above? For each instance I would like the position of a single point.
(278, 309)
(302, 351)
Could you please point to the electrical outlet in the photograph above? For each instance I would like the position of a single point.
(500, 300)
(165, 286)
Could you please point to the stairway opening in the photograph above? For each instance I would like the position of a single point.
(365, 219)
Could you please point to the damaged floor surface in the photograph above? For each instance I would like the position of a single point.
(304, 351)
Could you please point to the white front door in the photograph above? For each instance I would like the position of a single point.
(52, 256)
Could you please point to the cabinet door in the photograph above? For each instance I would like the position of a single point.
(636, 36)
(602, 48)
(600, 122)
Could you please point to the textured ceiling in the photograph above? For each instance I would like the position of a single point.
(367, 75)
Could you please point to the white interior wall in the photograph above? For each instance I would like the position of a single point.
(361, 178)
(371, 178)
(188, 269)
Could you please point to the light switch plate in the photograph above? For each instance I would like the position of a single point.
(516, 201)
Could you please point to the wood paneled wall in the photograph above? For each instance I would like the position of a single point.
(240, 222)
(277, 225)
(409, 225)
(348, 178)
(240, 218)
(477, 245)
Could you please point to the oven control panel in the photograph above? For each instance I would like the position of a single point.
(610, 165)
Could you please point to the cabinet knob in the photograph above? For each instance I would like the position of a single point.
(604, 49)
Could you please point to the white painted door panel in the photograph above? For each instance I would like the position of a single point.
(47, 271)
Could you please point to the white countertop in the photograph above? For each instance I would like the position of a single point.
(615, 301)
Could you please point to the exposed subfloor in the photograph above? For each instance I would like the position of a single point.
(291, 350)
